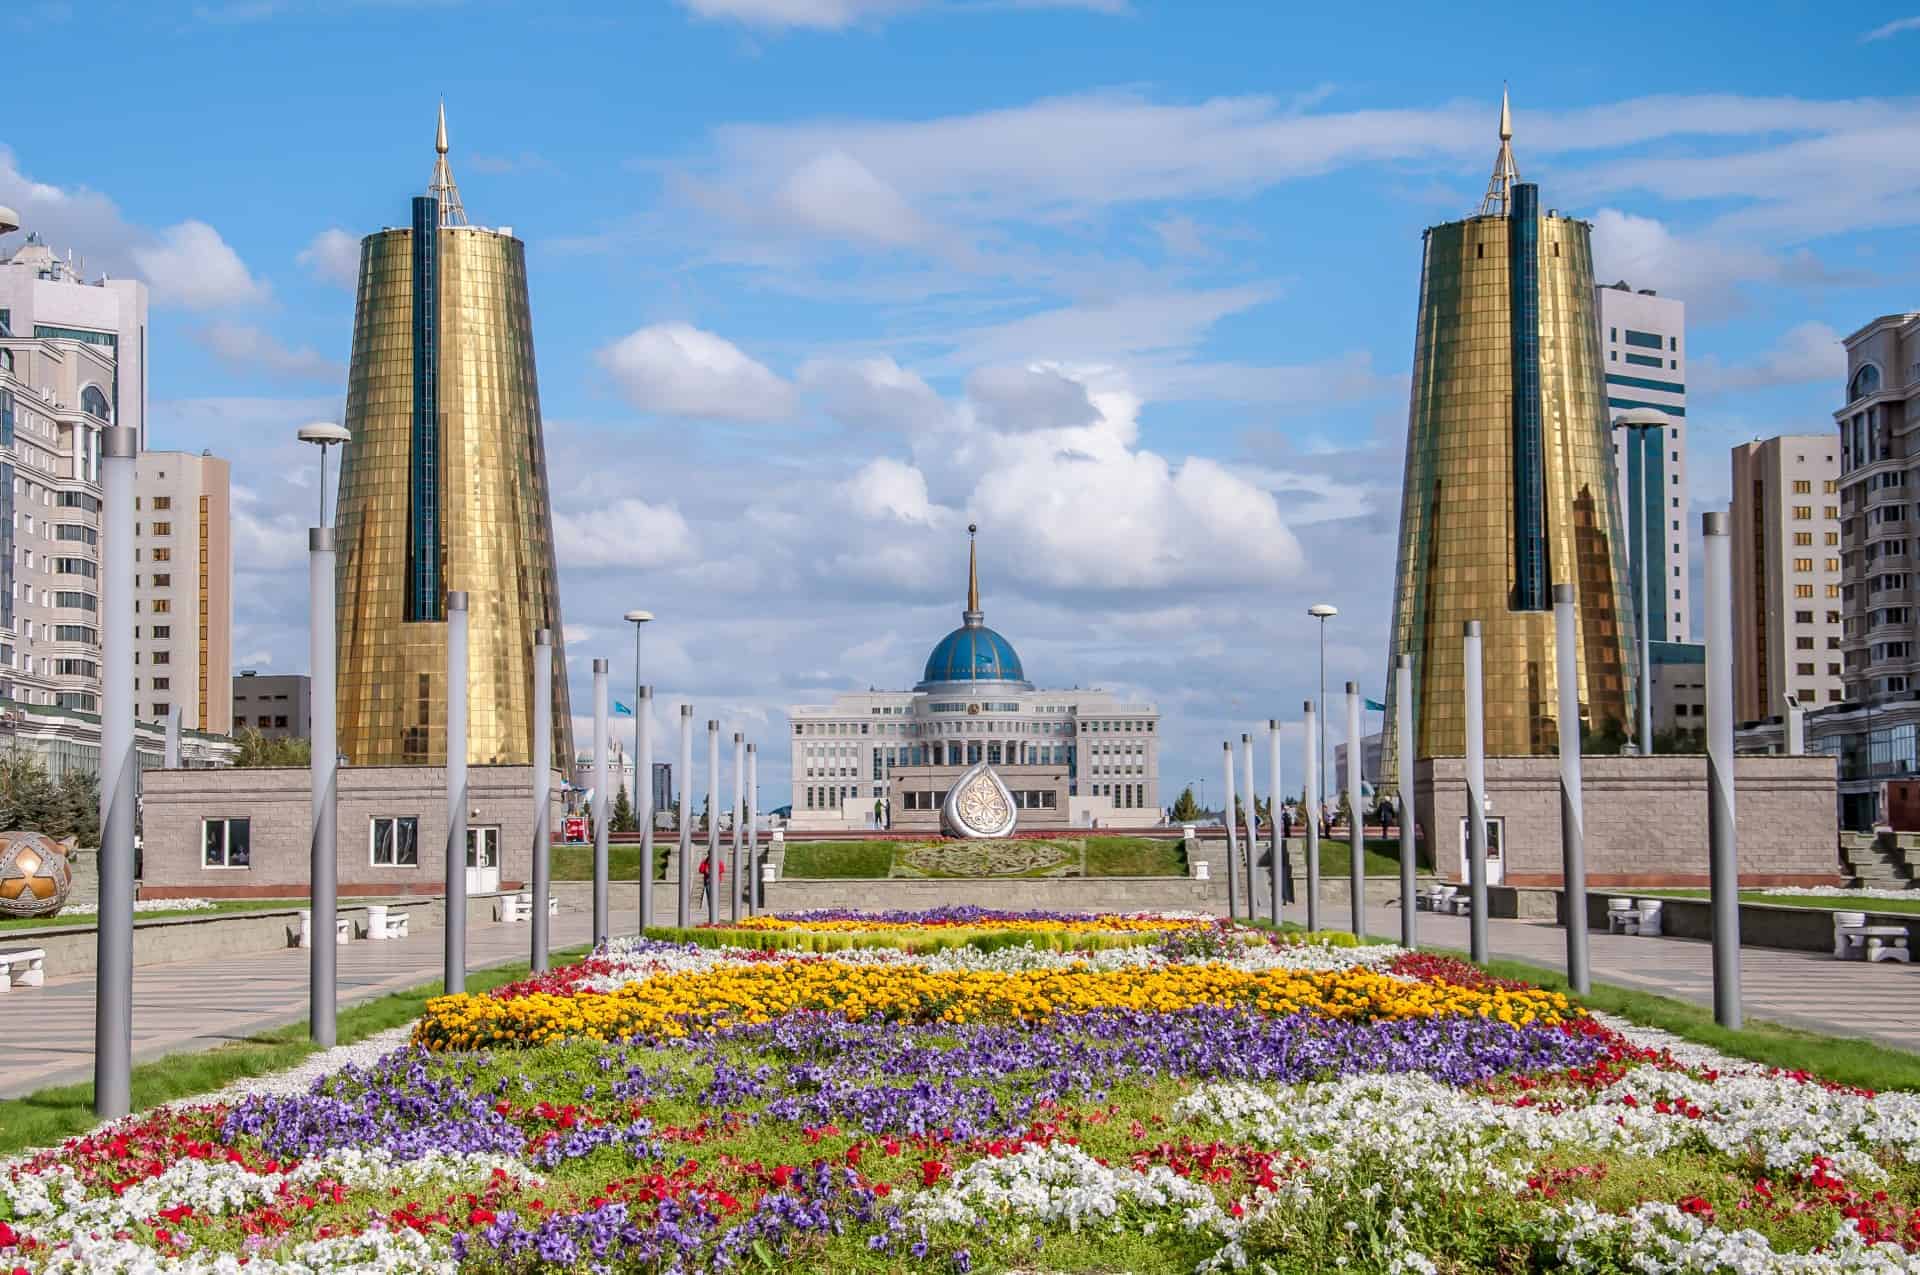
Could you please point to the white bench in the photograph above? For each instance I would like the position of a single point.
(1444, 898)
(342, 929)
(384, 922)
(515, 908)
(1641, 918)
(1855, 940)
(28, 968)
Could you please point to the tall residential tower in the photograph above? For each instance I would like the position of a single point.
(1644, 337)
(1509, 490)
(443, 488)
(1786, 575)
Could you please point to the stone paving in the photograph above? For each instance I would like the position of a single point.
(1800, 989)
(194, 1005)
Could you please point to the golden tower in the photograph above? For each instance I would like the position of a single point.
(444, 487)
(1509, 486)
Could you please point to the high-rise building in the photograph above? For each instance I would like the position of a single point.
(1644, 338)
(1509, 489)
(1879, 477)
(1786, 575)
(444, 488)
(183, 585)
(65, 345)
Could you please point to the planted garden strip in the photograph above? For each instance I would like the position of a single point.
(1194, 1096)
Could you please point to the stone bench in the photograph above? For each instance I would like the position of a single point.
(1628, 916)
(384, 922)
(27, 967)
(518, 908)
(1444, 898)
(1855, 940)
(342, 929)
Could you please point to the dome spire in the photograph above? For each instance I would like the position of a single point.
(442, 187)
(973, 615)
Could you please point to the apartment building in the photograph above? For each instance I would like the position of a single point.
(183, 586)
(1643, 340)
(1787, 581)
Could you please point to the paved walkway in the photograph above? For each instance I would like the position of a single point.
(1810, 990)
(193, 1005)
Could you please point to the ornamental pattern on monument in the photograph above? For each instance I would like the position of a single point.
(979, 805)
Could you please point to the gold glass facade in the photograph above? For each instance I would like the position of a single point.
(495, 528)
(1458, 531)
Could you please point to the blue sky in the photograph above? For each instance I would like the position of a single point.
(815, 282)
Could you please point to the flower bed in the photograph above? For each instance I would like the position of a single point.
(1206, 1099)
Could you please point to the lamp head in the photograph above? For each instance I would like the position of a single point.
(324, 433)
(638, 617)
(1640, 417)
(1323, 611)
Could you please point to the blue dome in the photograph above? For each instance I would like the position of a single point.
(973, 653)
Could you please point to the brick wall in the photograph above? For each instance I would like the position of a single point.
(279, 809)
(1645, 818)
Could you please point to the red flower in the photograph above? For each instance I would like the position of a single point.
(479, 1217)
(930, 1172)
(883, 1190)
(8, 1236)
(178, 1213)
(1697, 1206)
(783, 1175)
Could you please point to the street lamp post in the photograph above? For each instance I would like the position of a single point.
(323, 763)
(1322, 611)
(642, 771)
(119, 778)
(1639, 422)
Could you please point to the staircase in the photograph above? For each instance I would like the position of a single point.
(1888, 862)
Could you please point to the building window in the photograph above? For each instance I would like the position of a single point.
(396, 842)
(162, 683)
(226, 843)
(161, 606)
(1803, 487)
(162, 555)
(1645, 340)
(1802, 590)
(1803, 564)
(1803, 539)
(1803, 512)
(1833, 590)
(163, 502)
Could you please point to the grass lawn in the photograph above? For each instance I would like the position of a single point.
(1383, 858)
(817, 859)
(45, 1116)
(12, 925)
(575, 863)
(1135, 857)
(1833, 902)
(1847, 1061)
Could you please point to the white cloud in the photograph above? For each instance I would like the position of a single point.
(834, 194)
(679, 370)
(1806, 353)
(1706, 270)
(885, 488)
(834, 15)
(333, 256)
(629, 534)
(246, 348)
(874, 393)
(1891, 29)
(1031, 397)
(192, 266)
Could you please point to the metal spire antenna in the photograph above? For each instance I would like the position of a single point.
(973, 614)
(442, 187)
(1505, 171)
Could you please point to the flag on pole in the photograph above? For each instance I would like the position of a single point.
(1375, 706)
(621, 710)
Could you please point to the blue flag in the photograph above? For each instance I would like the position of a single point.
(1375, 706)
(621, 710)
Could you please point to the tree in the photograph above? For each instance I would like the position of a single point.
(1680, 740)
(622, 819)
(1186, 809)
(257, 750)
(1607, 738)
(76, 810)
(30, 802)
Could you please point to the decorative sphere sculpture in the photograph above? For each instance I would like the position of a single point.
(35, 875)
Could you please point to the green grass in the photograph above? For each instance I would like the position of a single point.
(832, 859)
(1847, 1061)
(1383, 858)
(575, 863)
(222, 905)
(1832, 902)
(1135, 857)
(46, 1116)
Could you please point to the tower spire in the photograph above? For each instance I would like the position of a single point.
(973, 613)
(442, 187)
(1505, 171)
